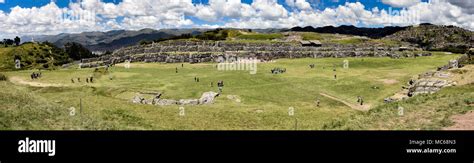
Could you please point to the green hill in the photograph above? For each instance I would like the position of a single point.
(32, 56)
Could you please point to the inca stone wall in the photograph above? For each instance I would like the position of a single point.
(197, 52)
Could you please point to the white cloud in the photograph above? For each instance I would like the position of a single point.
(401, 3)
(299, 4)
(467, 5)
(206, 13)
(269, 9)
(437, 12)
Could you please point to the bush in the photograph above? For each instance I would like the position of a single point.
(3, 77)
(469, 101)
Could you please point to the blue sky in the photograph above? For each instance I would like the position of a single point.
(319, 4)
(72, 16)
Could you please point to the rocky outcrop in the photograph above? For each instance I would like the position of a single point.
(165, 102)
(437, 37)
(452, 64)
(428, 86)
(428, 82)
(188, 102)
(138, 99)
(206, 98)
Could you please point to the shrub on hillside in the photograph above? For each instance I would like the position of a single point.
(469, 101)
(3, 77)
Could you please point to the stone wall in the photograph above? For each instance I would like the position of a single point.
(197, 52)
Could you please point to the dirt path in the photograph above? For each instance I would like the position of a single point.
(365, 107)
(462, 122)
(17, 80)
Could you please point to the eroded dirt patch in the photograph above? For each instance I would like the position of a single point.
(389, 81)
(18, 80)
(462, 122)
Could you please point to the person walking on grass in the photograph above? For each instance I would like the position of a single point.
(220, 86)
(360, 100)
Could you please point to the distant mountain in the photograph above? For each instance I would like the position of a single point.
(111, 40)
(351, 30)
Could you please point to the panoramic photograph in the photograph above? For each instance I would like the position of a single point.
(384, 80)
(236, 65)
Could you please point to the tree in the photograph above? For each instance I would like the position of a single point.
(59, 55)
(76, 51)
(17, 40)
(8, 42)
(144, 42)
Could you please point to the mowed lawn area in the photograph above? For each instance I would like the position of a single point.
(266, 101)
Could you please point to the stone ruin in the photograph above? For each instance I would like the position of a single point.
(452, 64)
(428, 86)
(206, 98)
(428, 83)
(208, 51)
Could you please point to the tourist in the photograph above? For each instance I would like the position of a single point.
(220, 85)
(360, 100)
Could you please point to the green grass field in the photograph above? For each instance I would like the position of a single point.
(265, 97)
(258, 36)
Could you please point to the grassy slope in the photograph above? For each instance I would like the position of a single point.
(32, 55)
(260, 36)
(22, 109)
(426, 112)
(6, 61)
(265, 97)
